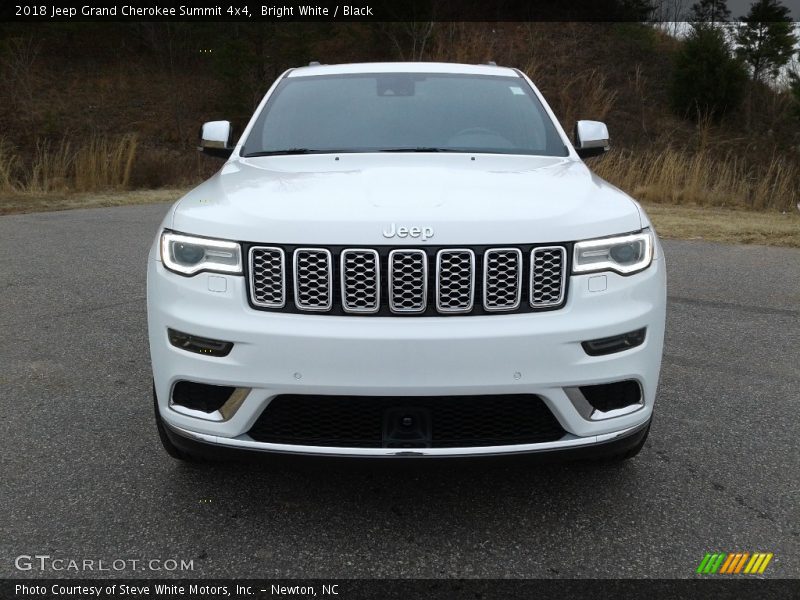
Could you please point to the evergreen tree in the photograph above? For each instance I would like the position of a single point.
(766, 40)
(707, 79)
(710, 11)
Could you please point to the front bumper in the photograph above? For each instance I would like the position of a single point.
(535, 353)
(610, 444)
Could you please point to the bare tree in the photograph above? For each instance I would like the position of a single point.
(167, 40)
(18, 59)
(670, 15)
(410, 39)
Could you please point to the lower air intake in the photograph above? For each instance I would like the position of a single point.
(450, 421)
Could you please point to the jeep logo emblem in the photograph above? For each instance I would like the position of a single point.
(423, 233)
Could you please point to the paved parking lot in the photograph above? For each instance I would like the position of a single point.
(84, 475)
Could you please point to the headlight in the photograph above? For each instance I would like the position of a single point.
(624, 254)
(187, 255)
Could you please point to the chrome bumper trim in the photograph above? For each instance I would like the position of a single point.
(246, 443)
(588, 412)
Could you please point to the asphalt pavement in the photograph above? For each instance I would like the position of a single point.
(84, 476)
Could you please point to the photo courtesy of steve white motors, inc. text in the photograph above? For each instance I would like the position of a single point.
(277, 11)
(172, 590)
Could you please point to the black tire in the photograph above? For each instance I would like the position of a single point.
(166, 442)
(630, 452)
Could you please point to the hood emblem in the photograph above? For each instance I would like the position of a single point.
(423, 233)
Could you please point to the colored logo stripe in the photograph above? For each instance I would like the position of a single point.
(737, 562)
(711, 562)
(758, 563)
(734, 563)
(726, 566)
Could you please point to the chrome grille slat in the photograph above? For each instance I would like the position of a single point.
(547, 276)
(502, 279)
(267, 280)
(313, 279)
(455, 280)
(360, 277)
(408, 281)
(483, 280)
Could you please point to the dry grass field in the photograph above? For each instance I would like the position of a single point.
(674, 177)
(28, 202)
(726, 225)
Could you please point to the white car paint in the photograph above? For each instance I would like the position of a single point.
(456, 200)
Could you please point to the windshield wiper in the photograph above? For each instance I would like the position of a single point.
(312, 151)
(287, 151)
(417, 149)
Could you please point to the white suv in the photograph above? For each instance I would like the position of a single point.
(405, 259)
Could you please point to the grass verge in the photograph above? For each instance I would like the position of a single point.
(725, 225)
(709, 223)
(15, 203)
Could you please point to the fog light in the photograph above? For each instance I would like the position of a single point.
(200, 396)
(616, 343)
(612, 396)
(199, 345)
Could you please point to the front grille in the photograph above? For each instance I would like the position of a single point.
(360, 277)
(268, 289)
(359, 421)
(338, 280)
(502, 279)
(313, 277)
(455, 280)
(547, 276)
(408, 281)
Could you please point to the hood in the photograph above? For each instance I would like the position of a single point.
(361, 198)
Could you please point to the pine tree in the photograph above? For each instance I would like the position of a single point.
(765, 38)
(707, 79)
(710, 11)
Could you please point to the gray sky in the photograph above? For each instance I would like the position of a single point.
(678, 10)
(741, 7)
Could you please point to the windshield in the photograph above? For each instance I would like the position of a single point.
(403, 112)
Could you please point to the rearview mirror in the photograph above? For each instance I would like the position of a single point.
(591, 138)
(215, 139)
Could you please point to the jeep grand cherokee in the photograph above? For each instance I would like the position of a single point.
(405, 259)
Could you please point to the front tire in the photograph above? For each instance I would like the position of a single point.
(166, 442)
(628, 453)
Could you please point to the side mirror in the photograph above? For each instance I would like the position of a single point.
(591, 138)
(215, 139)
